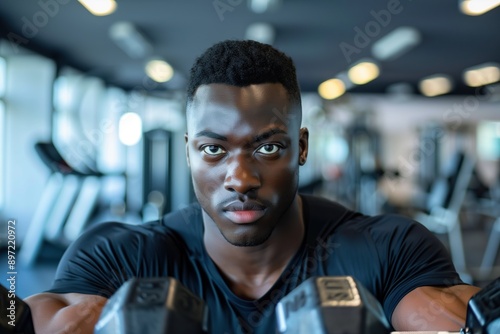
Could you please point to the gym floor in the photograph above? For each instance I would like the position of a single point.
(35, 279)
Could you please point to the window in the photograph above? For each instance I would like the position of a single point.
(488, 140)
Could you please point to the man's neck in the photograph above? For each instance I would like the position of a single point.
(251, 271)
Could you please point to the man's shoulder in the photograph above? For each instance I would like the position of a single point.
(324, 216)
(329, 217)
(322, 203)
(189, 214)
(386, 223)
(114, 234)
(169, 223)
(187, 223)
(116, 228)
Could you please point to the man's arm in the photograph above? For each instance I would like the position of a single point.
(433, 308)
(65, 313)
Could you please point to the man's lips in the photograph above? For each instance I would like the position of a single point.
(244, 213)
(244, 217)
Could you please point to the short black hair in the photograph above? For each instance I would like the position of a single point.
(242, 63)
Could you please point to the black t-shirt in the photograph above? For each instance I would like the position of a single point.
(389, 254)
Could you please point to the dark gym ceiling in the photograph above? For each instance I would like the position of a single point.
(312, 32)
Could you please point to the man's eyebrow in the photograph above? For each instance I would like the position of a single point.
(210, 134)
(258, 138)
(268, 134)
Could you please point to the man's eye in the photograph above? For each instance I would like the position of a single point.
(213, 150)
(268, 149)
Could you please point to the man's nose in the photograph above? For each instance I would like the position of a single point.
(241, 175)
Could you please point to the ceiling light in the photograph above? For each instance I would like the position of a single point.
(130, 40)
(477, 7)
(130, 129)
(159, 70)
(435, 85)
(99, 7)
(396, 43)
(260, 32)
(363, 72)
(261, 6)
(331, 89)
(482, 75)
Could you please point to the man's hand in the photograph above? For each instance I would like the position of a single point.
(70, 313)
(430, 308)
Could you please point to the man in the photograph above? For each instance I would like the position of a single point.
(252, 238)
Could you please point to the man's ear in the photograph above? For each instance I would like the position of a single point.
(187, 150)
(303, 145)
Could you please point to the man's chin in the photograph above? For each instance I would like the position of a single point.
(250, 243)
(247, 241)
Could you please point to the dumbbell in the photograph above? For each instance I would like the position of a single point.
(15, 314)
(333, 305)
(483, 310)
(153, 306)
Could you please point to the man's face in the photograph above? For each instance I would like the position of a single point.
(244, 146)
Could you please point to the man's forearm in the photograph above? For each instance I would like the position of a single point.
(55, 316)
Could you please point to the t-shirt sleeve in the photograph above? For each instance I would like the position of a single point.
(102, 259)
(411, 257)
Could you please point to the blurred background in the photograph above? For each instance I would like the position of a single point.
(401, 98)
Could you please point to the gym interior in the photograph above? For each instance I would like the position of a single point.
(89, 134)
